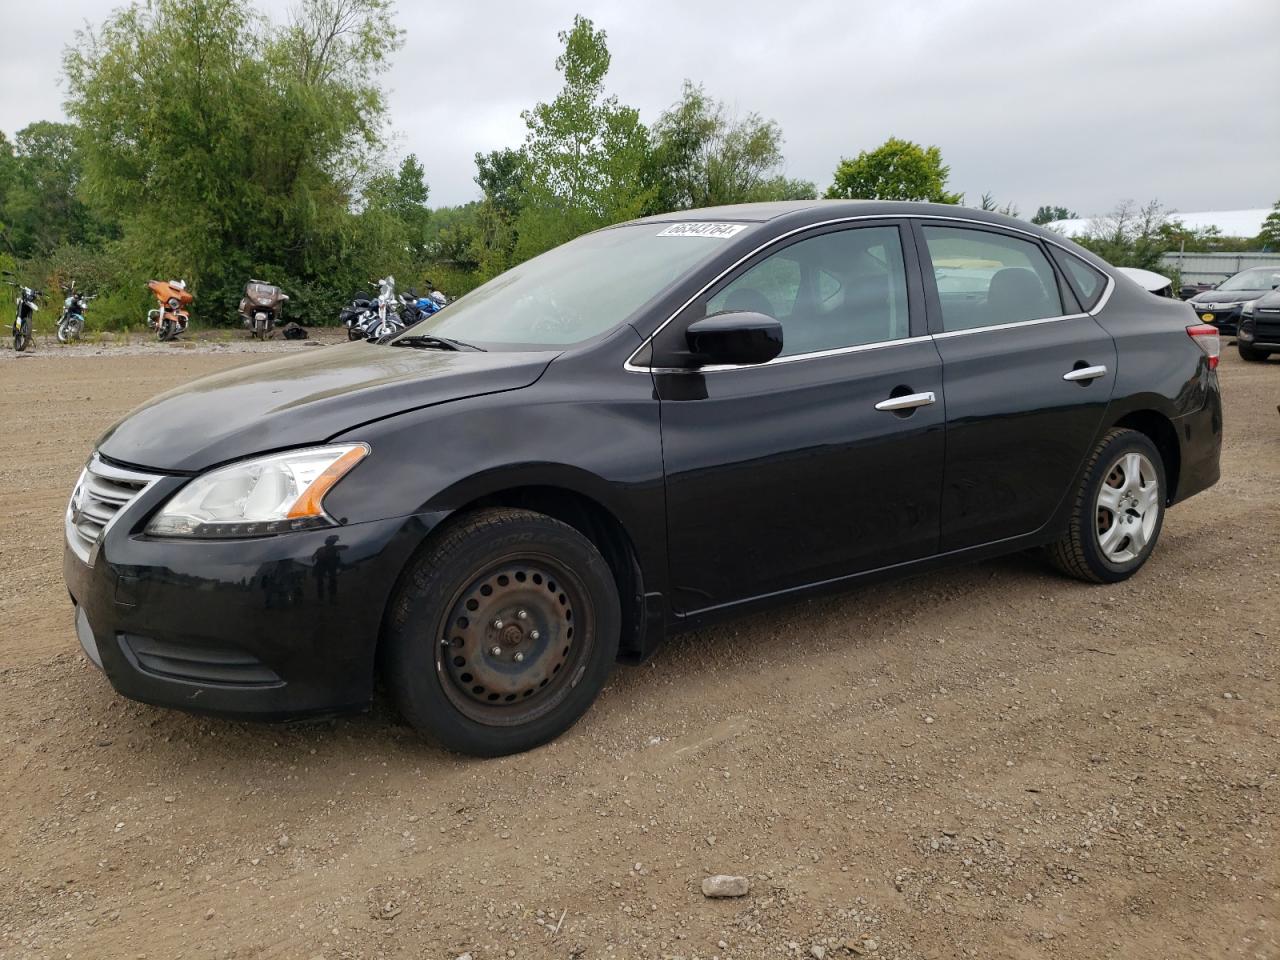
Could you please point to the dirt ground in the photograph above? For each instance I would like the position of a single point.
(987, 762)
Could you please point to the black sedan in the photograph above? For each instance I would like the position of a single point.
(1223, 305)
(649, 428)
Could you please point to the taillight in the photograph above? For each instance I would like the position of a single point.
(1208, 340)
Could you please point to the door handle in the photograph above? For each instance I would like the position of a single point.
(1085, 373)
(908, 402)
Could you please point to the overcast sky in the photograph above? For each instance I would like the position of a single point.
(1083, 103)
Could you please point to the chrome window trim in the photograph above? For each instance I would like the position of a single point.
(632, 367)
(833, 352)
(948, 334)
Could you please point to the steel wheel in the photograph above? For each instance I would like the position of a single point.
(507, 648)
(1128, 507)
(465, 668)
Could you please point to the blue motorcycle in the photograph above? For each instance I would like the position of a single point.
(71, 323)
(414, 309)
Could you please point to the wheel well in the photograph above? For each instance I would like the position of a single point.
(598, 525)
(1159, 430)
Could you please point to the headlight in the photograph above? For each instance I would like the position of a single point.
(255, 498)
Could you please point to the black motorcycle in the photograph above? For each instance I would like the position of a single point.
(25, 314)
(355, 315)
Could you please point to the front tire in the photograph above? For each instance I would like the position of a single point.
(1118, 511)
(503, 632)
(1252, 354)
(21, 336)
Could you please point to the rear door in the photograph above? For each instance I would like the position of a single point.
(1028, 377)
(825, 461)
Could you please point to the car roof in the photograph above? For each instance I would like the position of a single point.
(801, 212)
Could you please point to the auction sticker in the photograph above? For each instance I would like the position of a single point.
(702, 229)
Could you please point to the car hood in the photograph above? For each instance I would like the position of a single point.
(1226, 296)
(304, 399)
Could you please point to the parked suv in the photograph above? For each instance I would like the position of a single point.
(1223, 305)
(650, 428)
(1258, 335)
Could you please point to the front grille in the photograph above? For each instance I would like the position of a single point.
(102, 491)
(1266, 331)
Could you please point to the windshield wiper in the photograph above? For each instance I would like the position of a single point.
(426, 341)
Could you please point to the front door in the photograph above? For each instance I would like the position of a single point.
(1028, 379)
(827, 460)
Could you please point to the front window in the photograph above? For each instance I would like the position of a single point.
(1259, 278)
(841, 289)
(576, 291)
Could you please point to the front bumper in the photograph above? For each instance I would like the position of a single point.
(1261, 329)
(270, 628)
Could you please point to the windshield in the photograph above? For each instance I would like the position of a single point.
(1259, 278)
(576, 291)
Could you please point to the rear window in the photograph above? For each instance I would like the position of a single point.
(1086, 280)
(988, 279)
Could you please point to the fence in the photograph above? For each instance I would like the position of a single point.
(1215, 267)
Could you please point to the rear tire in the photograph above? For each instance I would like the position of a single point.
(1118, 511)
(1252, 354)
(502, 633)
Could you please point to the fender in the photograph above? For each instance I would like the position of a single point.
(436, 460)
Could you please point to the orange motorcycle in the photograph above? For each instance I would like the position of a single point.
(170, 318)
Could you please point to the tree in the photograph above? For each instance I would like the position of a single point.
(703, 157)
(39, 191)
(896, 170)
(989, 202)
(1269, 236)
(230, 148)
(1129, 236)
(1046, 214)
(501, 175)
(402, 196)
(585, 153)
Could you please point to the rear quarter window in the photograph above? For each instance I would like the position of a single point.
(1085, 279)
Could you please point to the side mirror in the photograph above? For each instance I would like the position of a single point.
(737, 338)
